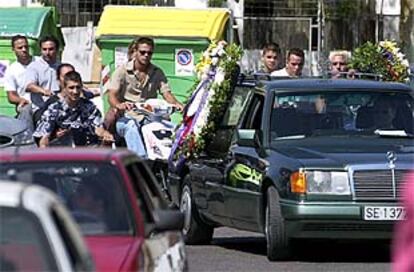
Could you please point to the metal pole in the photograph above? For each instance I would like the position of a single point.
(319, 15)
(378, 21)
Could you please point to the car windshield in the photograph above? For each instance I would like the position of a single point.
(370, 112)
(21, 234)
(93, 192)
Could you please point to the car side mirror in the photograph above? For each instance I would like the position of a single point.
(251, 138)
(168, 220)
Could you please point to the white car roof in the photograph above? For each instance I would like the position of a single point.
(12, 194)
(38, 200)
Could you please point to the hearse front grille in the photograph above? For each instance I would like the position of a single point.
(378, 184)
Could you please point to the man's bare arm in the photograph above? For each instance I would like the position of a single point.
(170, 98)
(115, 103)
(112, 98)
(34, 88)
(104, 135)
(44, 141)
(14, 98)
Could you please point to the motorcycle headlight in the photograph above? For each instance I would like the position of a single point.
(23, 138)
(324, 182)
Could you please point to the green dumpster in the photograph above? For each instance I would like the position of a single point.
(180, 35)
(30, 22)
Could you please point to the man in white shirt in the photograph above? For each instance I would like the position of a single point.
(294, 64)
(14, 79)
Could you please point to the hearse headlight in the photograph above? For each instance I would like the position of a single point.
(320, 182)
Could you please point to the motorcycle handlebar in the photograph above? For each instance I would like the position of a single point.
(154, 110)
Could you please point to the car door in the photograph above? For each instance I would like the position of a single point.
(207, 172)
(244, 171)
(80, 258)
(164, 249)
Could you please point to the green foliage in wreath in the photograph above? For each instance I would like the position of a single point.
(366, 59)
(383, 59)
(192, 144)
(220, 99)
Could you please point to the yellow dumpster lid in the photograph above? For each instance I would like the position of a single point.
(162, 22)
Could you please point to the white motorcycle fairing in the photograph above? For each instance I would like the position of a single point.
(157, 139)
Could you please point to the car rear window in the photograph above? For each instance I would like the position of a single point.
(93, 192)
(22, 235)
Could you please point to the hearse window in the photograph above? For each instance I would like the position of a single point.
(221, 142)
(237, 105)
(253, 117)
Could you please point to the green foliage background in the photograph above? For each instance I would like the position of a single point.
(368, 59)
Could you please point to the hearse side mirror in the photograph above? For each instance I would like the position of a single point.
(251, 138)
(168, 220)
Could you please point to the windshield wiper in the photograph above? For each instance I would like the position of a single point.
(291, 137)
(393, 133)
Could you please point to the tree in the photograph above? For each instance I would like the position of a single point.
(407, 28)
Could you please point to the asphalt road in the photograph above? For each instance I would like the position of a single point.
(233, 250)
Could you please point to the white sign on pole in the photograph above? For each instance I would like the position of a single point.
(121, 56)
(184, 62)
(388, 7)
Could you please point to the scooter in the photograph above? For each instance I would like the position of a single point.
(156, 131)
(73, 138)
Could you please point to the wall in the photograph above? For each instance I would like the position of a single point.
(81, 51)
(78, 51)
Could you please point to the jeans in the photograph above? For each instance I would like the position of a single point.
(25, 114)
(130, 130)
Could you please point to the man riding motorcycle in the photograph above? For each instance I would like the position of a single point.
(71, 115)
(134, 82)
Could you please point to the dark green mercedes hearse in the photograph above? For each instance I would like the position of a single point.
(302, 158)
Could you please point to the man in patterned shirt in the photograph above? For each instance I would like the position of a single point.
(72, 114)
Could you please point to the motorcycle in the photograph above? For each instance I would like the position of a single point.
(156, 131)
(75, 138)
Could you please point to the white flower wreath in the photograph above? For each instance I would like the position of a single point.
(214, 72)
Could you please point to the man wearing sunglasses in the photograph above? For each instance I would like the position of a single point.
(133, 82)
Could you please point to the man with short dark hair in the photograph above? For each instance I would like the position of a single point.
(133, 82)
(294, 64)
(14, 79)
(270, 58)
(41, 79)
(72, 114)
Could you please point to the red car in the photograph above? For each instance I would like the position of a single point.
(115, 200)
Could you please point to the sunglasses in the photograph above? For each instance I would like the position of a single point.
(143, 52)
(338, 63)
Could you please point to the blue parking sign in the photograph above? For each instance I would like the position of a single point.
(184, 62)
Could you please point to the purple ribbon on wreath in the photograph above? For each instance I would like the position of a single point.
(176, 165)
